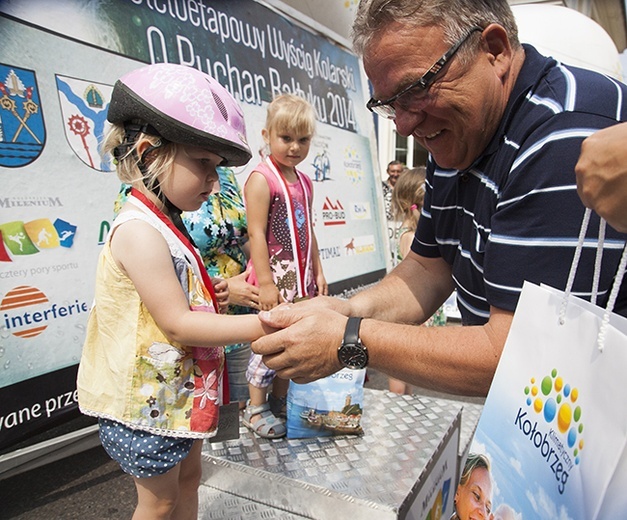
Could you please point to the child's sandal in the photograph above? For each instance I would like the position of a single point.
(267, 426)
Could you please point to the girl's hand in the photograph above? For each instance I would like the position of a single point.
(321, 284)
(269, 297)
(243, 293)
(221, 288)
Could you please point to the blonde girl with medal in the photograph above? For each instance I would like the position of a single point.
(152, 365)
(284, 250)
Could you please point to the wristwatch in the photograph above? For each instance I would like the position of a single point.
(352, 353)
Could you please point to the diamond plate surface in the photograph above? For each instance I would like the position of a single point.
(376, 473)
(220, 505)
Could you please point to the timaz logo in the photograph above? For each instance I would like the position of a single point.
(552, 423)
(27, 311)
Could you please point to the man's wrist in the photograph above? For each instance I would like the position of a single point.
(352, 353)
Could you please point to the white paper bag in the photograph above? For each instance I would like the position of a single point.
(554, 424)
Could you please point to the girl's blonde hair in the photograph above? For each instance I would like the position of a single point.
(123, 148)
(409, 190)
(291, 113)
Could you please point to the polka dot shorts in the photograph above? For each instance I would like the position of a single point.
(139, 453)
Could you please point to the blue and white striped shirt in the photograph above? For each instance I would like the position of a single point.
(515, 215)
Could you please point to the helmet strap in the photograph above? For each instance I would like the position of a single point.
(170, 209)
(132, 132)
(175, 216)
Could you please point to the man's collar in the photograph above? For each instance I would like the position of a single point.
(534, 67)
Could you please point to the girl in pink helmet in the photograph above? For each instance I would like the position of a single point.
(152, 364)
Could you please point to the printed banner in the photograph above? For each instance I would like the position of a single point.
(60, 61)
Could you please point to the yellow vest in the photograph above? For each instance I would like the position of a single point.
(130, 371)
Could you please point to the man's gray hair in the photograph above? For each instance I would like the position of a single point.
(456, 17)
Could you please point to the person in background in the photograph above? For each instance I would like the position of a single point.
(284, 249)
(503, 126)
(220, 232)
(407, 202)
(473, 497)
(602, 174)
(394, 170)
(152, 362)
(602, 183)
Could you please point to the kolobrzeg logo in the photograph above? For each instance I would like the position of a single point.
(552, 421)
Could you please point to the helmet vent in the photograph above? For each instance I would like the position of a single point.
(220, 105)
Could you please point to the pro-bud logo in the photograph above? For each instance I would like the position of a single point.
(551, 421)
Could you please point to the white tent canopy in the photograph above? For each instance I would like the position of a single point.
(337, 15)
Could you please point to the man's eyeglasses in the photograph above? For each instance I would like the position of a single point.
(411, 97)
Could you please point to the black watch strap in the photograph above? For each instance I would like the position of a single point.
(351, 333)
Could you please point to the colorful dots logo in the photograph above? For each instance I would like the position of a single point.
(556, 401)
(353, 167)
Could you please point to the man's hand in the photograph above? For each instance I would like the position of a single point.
(306, 348)
(602, 174)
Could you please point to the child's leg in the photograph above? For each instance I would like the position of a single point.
(257, 415)
(157, 496)
(258, 396)
(259, 377)
(173, 495)
(189, 480)
(278, 397)
(237, 363)
(256, 374)
(279, 387)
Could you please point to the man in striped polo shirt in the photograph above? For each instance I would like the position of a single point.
(504, 127)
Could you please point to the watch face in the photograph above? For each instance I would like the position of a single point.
(353, 356)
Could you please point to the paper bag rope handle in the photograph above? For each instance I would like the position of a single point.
(618, 279)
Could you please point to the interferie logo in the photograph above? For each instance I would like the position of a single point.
(26, 311)
(557, 435)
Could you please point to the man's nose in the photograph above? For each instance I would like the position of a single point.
(406, 122)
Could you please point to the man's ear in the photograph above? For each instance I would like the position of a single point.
(498, 48)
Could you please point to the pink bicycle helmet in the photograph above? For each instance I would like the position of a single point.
(184, 106)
